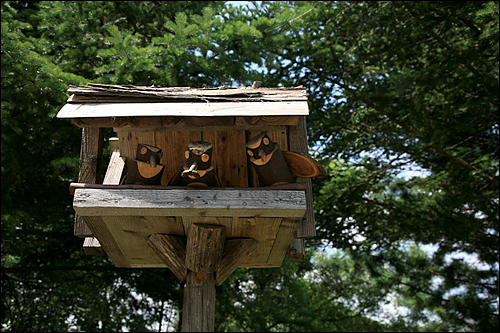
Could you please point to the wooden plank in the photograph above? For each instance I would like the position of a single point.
(111, 93)
(228, 157)
(115, 169)
(90, 168)
(297, 251)
(177, 123)
(106, 239)
(283, 240)
(92, 247)
(128, 142)
(173, 145)
(298, 143)
(132, 232)
(85, 110)
(263, 230)
(270, 203)
(287, 187)
(266, 121)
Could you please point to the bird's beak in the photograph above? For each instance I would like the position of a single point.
(260, 153)
(193, 166)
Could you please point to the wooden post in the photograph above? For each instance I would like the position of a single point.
(298, 143)
(198, 312)
(90, 168)
(205, 260)
(113, 175)
(205, 244)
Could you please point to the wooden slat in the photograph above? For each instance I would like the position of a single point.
(287, 187)
(92, 247)
(271, 203)
(173, 145)
(117, 93)
(283, 239)
(130, 233)
(229, 157)
(176, 123)
(128, 142)
(297, 251)
(183, 109)
(115, 169)
(107, 240)
(262, 229)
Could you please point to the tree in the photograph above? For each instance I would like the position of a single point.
(393, 86)
(396, 86)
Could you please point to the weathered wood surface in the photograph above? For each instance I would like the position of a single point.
(114, 172)
(296, 251)
(118, 93)
(205, 244)
(171, 123)
(235, 252)
(298, 143)
(92, 247)
(180, 109)
(90, 168)
(123, 220)
(107, 240)
(172, 251)
(198, 310)
(287, 187)
(270, 203)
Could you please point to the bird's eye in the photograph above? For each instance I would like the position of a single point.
(144, 150)
(249, 152)
(205, 157)
(266, 141)
(186, 154)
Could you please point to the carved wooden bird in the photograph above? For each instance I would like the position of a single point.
(197, 168)
(146, 168)
(275, 167)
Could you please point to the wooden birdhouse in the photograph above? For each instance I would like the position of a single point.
(202, 180)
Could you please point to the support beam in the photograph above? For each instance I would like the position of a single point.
(235, 252)
(172, 251)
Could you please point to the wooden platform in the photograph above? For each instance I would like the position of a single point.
(122, 219)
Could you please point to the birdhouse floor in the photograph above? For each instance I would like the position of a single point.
(124, 217)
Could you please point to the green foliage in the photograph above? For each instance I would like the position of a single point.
(394, 87)
(401, 86)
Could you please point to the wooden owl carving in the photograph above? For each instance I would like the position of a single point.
(146, 168)
(268, 161)
(197, 168)
(275, 167)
